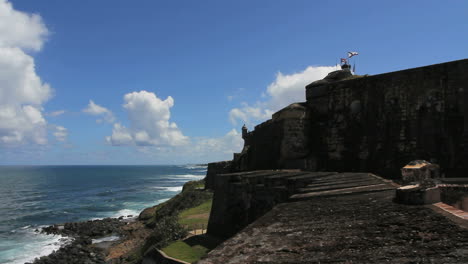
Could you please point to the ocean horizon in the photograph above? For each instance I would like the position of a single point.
(34, 196)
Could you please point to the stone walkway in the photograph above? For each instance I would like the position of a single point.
(346, 218)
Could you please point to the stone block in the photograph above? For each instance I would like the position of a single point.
(417, 195)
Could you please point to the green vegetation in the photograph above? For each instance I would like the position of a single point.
(192, 248)
(196, 217)
(183, 251)
(165, 231)
(191, 196)
(164, 218)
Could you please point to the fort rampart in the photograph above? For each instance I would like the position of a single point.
(369, 123)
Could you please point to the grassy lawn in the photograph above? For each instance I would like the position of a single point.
(183, 251)
(194, 247)
(195, 217)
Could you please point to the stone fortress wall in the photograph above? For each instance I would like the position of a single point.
(368, 123)
(349, 123)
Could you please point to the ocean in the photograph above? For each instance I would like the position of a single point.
(35, 196)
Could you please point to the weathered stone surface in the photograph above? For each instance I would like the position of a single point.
(216, 168)
(345, 224)
(419, 171)
(241, 198)
(417, 194)
(373, 123)
(455, 193)
(281, 142)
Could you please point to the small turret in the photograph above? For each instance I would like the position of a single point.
(244, 132)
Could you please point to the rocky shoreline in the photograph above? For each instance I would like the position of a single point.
(123, 240)
(81, 249)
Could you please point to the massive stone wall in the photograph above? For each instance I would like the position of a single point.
(277, 143)
(379, 123)
(370, 123)
(215, 168)
(263, 148)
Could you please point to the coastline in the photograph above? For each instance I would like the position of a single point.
(88, 241)
(118, 240)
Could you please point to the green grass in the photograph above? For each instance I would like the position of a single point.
(200, 185)
(183, 251)
(197, 216)
(191, 196)
(193, 248)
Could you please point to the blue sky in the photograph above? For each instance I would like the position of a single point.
(173, 81)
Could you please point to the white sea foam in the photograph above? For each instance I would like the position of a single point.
(125, 213)
(105, 239)
(170, 189)
(186, 176)
(31, 245)
(160, 201)
(192, 167)
(174, 189)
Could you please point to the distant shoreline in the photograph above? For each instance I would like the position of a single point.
(127, 234)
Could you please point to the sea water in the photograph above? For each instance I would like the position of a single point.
(35, 196)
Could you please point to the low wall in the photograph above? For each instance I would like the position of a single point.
(455, 195)
(242, 197)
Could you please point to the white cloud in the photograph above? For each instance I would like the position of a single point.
(284, 90)
(60, 133)
(228, 144)
(22, 93)
(21, 124)
(149, 122)
(19, 82)
(97, 110)
(56, 113)
(19, 29)
(121, 136)
(196, 151)
(247, 114)
(155, 136)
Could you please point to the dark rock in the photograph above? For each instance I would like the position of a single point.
(80, 251)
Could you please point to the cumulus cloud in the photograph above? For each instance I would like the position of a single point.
(19, 82)
(19, 29)
(60, 133)
(121, 136)
(284, 90)
(20, 124)
(151, 131)
(228, 144)
(149, 122)
(56, 113)
(247, 114)
(201, 149)
(22, 92)
(97, 110)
